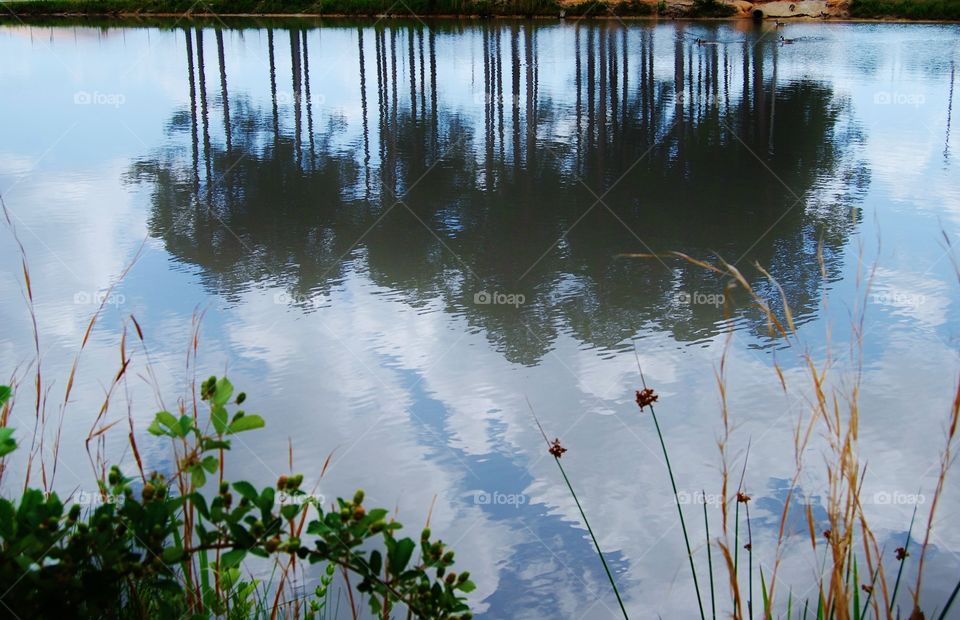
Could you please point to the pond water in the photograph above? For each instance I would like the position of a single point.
(398, 233)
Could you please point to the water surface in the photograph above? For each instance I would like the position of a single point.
(399, 232)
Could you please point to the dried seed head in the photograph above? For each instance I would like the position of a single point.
(902, 553)
(556, 449)
(646, 397)
(743, 498)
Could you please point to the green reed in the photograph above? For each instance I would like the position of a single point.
(673, 483)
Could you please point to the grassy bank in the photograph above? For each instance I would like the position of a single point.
(929, 10)
(483, 8)
(907, 9)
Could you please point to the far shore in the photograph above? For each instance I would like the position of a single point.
(855, 11)
(133, 15)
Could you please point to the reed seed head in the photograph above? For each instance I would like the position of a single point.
(646, 397)
(556, 449)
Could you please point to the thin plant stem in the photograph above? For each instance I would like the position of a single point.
(594, 538)
(873, 583)
(749, 563)
(683, 525)
(706, 524)
(736, 546)
(576, 499)
(736, 523)
(953, 596)
(906, 547)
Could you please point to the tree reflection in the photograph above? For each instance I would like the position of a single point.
(522, 192)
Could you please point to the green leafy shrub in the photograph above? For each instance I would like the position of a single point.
(174, 547)
(906, 9)
(711, 8)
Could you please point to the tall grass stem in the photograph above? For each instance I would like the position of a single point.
(706, 525)
(683, 525)
(606, 568)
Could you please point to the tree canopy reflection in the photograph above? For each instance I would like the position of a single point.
(521, 192)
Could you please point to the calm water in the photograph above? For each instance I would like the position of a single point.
(399, 232)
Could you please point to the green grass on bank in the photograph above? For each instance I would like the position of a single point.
(879, 9)
(710, 8)
(907, 9)
(328, 7)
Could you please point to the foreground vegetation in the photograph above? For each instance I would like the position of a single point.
(853, 581)
(172, 546)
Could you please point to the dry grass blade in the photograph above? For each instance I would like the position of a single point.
(946, 459)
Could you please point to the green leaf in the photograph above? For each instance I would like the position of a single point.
(289, 511)
(5, 393)
(399, 555)
(8, 523)
(172, 555)
(376, 561)
(246, 423)
(223, 392)
(232, 558)
(154, 429)
(219, 418)
(376, 514)
(213, 444)
(856, 591)
(763, 591)
(265, 503)
(228, 577)
(467, 587)
(167, 419)
(200, 502)
(317, 528)
(7, 442)
(211, 463)
(185, 426)
(246, 489)
(197, 477)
